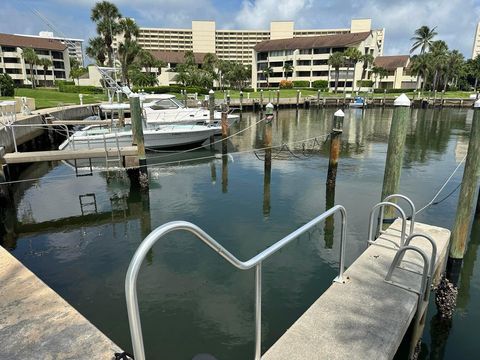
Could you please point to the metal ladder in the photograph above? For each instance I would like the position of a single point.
(84, 203)
(109, 159)
(254, 262)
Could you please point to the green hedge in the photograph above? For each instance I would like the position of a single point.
(80, 89)
(320, 84)
(171, 89)
(365, 83)
(64, 82)
(392, 91)
(301, 84)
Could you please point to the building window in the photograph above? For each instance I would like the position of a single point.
(262, 56)
(60, 74)
(303, 73)
(305, 51)
(276, 63)
(9, 49)
(11, 60)
(304, 62)
(339, 49)
(321, 51)
(58, 65)
(57, 55)
(320, 62)
(277, 53)
(43, 52)
(320, 73)
(13, 71)
(288, 52)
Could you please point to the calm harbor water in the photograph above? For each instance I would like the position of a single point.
(79, 234)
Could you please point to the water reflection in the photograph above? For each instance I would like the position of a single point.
(186, 291)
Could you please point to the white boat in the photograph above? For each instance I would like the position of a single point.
(167, 109)
(156, 136)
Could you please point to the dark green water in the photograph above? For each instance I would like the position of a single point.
(191, 300)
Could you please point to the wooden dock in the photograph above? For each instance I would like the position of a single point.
(55, 155)
(365, 318)
(36, 323)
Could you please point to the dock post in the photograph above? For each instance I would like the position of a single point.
(396, 144)
(298, 98)
(261, 100)
(318, 98)
(335, 144)
(278, 98)
(384, 97)
(211, 107)
(434, 98)
(241, 100)
(442, 101)
(224, 150)
(185, 97)
(466, 199)
(267, 143)
(138, 138)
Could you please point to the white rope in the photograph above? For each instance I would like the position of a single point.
(443, 186)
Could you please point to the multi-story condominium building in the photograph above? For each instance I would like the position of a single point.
(236, 45)
(12, 62)
(476, 42)
(398, 75)
(309, 58)
(75, 46)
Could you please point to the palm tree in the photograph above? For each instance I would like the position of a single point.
(96, 50)
(76, 72)
(46, 63)
(129, 28)
(439, 57)
(422, 38)
(336, 60)
(379, 72)
(287, 69)
(106, 16)
(454, 66)
(420, 67)
(267, 72)
(367, 60)
(30, 57)
(127, 52)
(474, 70)
(354, 56)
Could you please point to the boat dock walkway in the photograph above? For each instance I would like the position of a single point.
(53, 155)
(36, 323)
(365, 318)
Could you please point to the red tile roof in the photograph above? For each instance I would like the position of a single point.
(176, 57)
(31, 42)
(391, 62)
(311, 42)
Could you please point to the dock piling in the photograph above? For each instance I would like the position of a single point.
(261, 100)
(396, 144)
(211, 107)
(138, 138)
(298, 98)
(467, 192)
(267, 143)
(335, 142)
(241, 100)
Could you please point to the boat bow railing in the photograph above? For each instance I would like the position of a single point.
(254, 262)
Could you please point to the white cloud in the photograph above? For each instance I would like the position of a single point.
(258, 14)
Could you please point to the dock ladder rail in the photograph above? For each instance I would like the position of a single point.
(381, 206)
(256, 261)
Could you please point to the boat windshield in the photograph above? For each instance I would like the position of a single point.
(178, 102)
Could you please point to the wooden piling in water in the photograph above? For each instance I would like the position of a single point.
(318, 98)
(396, 144)
(278, 99)
(241, 101)
(261, 100)
(267, 143)
(224, 150)
(467, 191)
(335, 144)
(211, 107)
(137, 131)
(298, 98)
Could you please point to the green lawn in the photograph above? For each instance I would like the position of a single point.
(45, 98)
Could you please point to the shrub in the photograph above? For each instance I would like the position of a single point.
(365, 83)
(6, 85)
(80, 89)
(392, 91)
(320, 84)
(301, 84)
(247, 90)
(286, 84)
(64, 82)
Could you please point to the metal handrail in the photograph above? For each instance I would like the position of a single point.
(256, 261)
(372, 218)
(426, 279)
(412, 208)
(434, 250)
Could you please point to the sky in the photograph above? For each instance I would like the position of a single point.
(455, 20)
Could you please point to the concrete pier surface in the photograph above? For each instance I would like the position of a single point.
(36, 323)
(365, 318)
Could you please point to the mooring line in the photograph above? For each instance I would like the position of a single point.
(432, 202)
